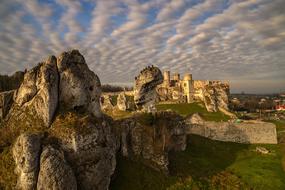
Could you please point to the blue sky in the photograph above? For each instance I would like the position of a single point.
(235, 40)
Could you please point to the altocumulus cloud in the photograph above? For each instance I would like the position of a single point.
(235, 40)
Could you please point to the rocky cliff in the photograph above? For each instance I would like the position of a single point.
(145, 94)
(63, 139)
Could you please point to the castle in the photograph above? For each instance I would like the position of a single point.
(186, 90)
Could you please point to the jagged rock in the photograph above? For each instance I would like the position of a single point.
(26, 153)
(122, 103)
(80, 88)
(153, 142)
(91, 151)
(37, 95)
(55, 173)
(195, 119)
(215, 97)
(6, 100)
(145, 93)
(106, 103)
(209, 97)
(12, 82)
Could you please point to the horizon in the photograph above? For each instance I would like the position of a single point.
(242, 42)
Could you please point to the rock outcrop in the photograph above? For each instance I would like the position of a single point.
(151, 137)
(65, 81)
(37, 95)
(215, 96)
(26, 153)
(122, 103)
(90, 147)
(55, 173)
(79, 87)
(145, 93)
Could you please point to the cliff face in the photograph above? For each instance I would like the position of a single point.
(144, 90)
(75, 147)
(151, 137)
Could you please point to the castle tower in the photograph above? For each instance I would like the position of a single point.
(176, 76)
(188, 87)
(166, 78)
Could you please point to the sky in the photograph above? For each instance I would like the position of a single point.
(240, 41)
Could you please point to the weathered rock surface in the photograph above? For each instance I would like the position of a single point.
(122, 103)
(90, 149)
(145, 93)
(250, 132)
(26, 153)
(55, 173)
(80, 88)
(106, 103)
(215, 97)
(152, 142)
(6, 101)
(37, 95)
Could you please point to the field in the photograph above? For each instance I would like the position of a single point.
(209, 164)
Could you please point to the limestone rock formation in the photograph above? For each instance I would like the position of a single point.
(6, 101)
(152, 142)
(26, 153)
(122, 103)
(90, 148)
(55, 173)
(215, 96)
(145, 93)
(80, 88)
(106, 103)
(38, 94)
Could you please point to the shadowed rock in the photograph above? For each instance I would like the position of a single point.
(26, 153)
(55, 173)
(144, 90)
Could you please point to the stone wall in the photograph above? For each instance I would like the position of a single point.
(246, 132)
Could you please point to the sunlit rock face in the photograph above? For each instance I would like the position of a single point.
(145, 94)
(79, 87)
(37, 96)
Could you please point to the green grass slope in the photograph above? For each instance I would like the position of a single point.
(208, 164)
(185, 109)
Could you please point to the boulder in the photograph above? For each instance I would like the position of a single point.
(122, 103)
(26, 154)
(79, 87)
(145, 93)
(55, 173)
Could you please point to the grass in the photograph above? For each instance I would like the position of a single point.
(208, 164)
(7, 177)
(185, 109)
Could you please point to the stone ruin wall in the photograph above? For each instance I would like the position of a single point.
(247, 132)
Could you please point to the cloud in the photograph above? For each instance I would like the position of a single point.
(232, 40)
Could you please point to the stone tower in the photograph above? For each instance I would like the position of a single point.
(166, 78)
(188, 87)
